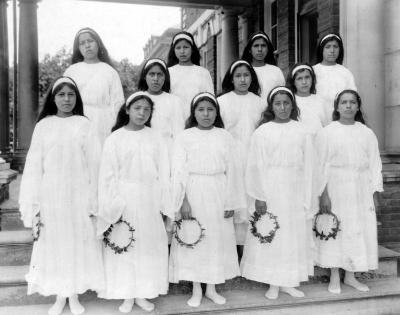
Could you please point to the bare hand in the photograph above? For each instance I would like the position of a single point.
(228, 214)
(377, 198)
(186, 210)
(261, 206)
(325, 204)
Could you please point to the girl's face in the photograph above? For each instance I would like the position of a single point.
(347, 107)
(259, 50)
(241, 79)
(330, 52)
(205, 114)
(65, 100)
(302, 82)
(139, 113)
(88, 47)
(282, 107)
(183, 51)
(155, 79)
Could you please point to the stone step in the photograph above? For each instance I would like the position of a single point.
(15, 247)
(13, 275)
(383, 298)
(10, 217)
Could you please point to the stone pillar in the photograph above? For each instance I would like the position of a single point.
(362, 29)
(28, 77)
(4, 81)
(391, 49)
(230, 47)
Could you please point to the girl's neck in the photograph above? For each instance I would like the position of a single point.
(257, 63)
(91, 61)
(133, 127)
(64, 115)
(281, 121)
(240, 92)
(154, 92)
(345, 121)
(303, 94)
(186, 63)
(328, 63)
(205, 128)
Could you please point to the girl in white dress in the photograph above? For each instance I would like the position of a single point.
(167, 117)
(331, 76)
(351, 180)
(241, 110)
(134, 187)
(259, 52)
(58, 196)
(187, 77)
(97, 80)
(280, 165)
(204, 185)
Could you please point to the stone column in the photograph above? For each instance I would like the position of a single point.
(363, 32)
(28, 77)
(391, 49)
(4, 81)
(229, 38)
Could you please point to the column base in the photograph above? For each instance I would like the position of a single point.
(18, 160)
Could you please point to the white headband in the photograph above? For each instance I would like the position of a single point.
(301, 67)
(277, 90)
(132, 96)
(85, 30)
(182, 36)
(155, 60)
(244, 62)
(261, 35)
(204, 94)
(330, 35)
(63, 80)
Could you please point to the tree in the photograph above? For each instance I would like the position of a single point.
(129, 75)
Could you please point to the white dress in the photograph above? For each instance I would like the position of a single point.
(134, 184)
(351, 168)
(101, 91)
(60, 183)
(167, 117)
(279, 172)
(202, 169)
(330, 81)
(241, 115)
(269, 77)
(312, 112)
(187, 81)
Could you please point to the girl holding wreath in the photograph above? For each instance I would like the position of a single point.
(350, 182)
(133, 189)
(205, 190)
(279, 179)
(58, 197)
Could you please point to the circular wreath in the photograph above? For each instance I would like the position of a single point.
(177, 227)
(334, 229)
(268, 238)
(36, 232)
(116, 248)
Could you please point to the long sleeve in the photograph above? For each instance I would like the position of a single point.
(322, 168)
(116, 93)
(29, 196)
(164, 178)
(111, 204)
(310, 204)
(178, 123)
(208, 83)
(375, 164)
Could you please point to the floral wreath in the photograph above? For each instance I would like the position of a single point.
(36, 232)
(118, 249)
(263, 238)
(177, 226)
(334, 230)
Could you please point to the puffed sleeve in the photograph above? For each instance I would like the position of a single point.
(351, 82)
(179, 175)
(111, 203)
(29, 195)
(164, 174)
(208, 83)
(322, 161)
(375, 164)
(116, 93)
(281, 78)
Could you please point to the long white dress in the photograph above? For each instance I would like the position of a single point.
(202, 168)
(241, 115)
(312, 112)
(279, 172)
(187, 81)
(269, 77)
(330, 81)
(134, 184)
(60, 183)
(167, 117)
(101, 91)
(351, 168)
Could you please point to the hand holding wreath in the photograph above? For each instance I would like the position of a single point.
(186, 210)
(325, 204)
(228, 214)
(261, 206)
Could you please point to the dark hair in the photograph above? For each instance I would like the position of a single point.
(142, 85)
(102, 53)
(269, 115)
(359, 115)
(123, 117)
(173, 60)
(269, 58)
(323, 41)
(290, 79)
(227, 84)
(192, 122)
(49, 105)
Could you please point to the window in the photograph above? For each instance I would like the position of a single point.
(308, 31)
(274, 25)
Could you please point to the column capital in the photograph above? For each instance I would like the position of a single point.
(229, 12)
(28, 1)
